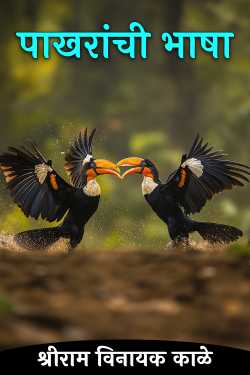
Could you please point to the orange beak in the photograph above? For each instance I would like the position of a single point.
(131, 162)
(107, 167)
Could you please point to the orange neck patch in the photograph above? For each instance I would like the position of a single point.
(91, 174)
(53, 182)
(147, 172)
(183, 176)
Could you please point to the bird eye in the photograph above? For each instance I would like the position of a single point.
(89, 165)
(147, 163)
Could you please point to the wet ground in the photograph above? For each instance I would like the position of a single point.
(147, 295)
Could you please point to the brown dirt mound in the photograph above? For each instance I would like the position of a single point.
(145, 295)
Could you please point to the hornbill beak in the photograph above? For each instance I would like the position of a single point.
(103, 166)
(131, 162)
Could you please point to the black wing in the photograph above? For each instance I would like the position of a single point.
(78, 157)
(34, 185)
(204, 172)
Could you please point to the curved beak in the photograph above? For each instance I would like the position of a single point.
(107, 167)
(131, 162)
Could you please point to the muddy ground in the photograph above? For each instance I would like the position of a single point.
(147, 295)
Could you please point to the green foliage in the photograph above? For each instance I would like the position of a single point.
(239, 250)
(147, 141)
(6, 307)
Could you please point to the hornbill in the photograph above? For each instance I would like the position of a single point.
(202, 173)
(39, 191)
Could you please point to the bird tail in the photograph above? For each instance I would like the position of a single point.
(38, 239)
(217, 233)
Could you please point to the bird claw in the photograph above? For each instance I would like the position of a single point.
(183, 244)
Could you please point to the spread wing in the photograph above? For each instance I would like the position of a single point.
(34, 185)
(204, 172)
(78, 157)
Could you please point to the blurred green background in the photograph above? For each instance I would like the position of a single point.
(150, 108)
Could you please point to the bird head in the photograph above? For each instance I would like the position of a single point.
(80, 164)
(98, 167)
(141, 166)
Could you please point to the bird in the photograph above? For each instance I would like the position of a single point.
(202, 173)
(40, 192)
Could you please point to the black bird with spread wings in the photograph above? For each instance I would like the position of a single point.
(41, 193)
(202, 173)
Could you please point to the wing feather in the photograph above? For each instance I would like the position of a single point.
(77, 158)
(27, 174)
(207, 172)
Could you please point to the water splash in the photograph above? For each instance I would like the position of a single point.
(7, 242)
(199, 246)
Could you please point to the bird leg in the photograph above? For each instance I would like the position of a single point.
(179, 242)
